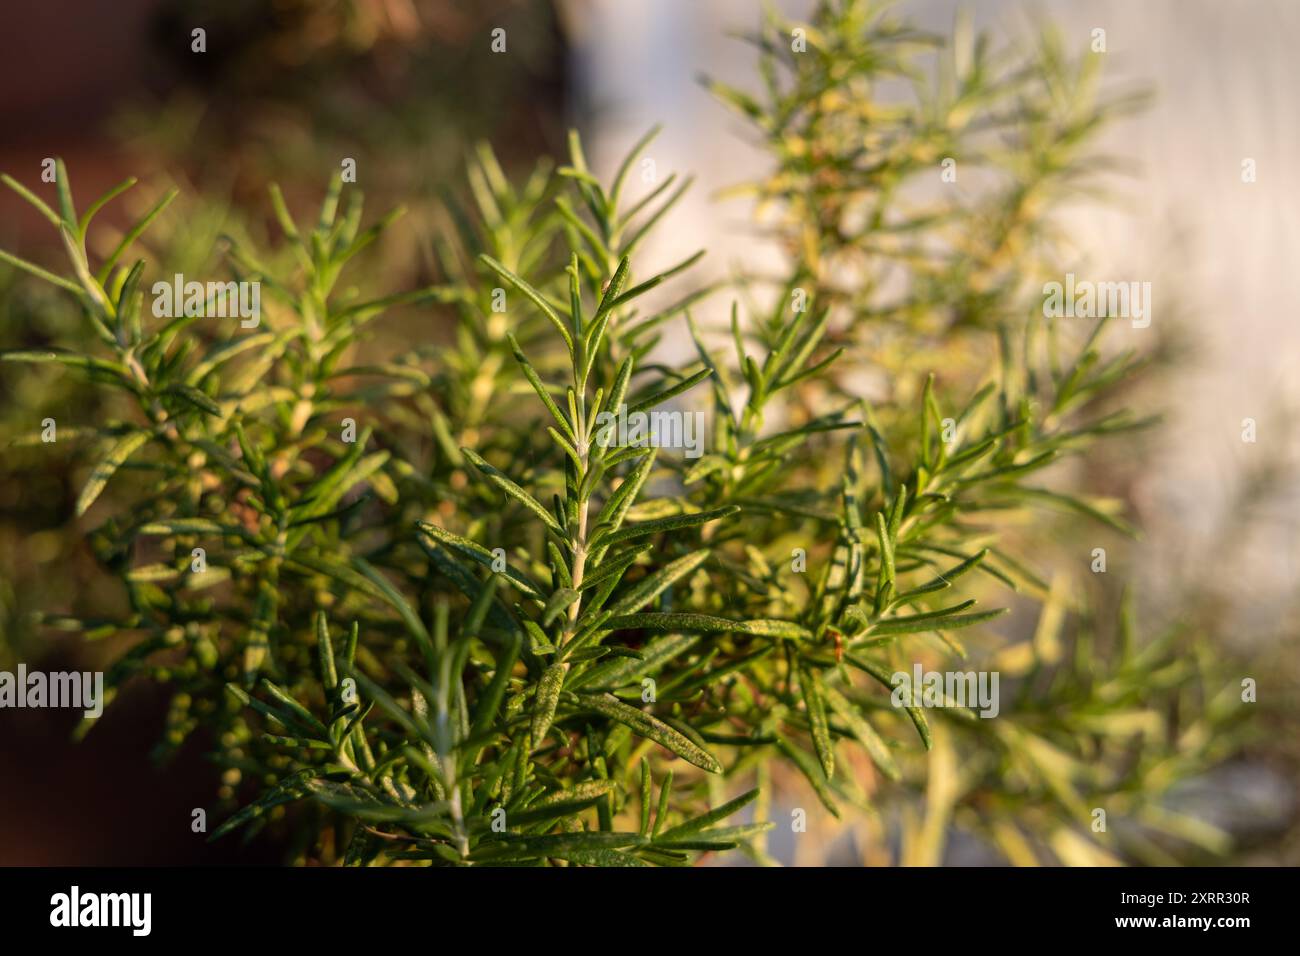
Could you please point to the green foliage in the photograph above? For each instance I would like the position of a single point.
(483, 633)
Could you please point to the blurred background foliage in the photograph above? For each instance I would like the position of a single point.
(407, 88)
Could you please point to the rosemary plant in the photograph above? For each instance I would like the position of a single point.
(429, 599)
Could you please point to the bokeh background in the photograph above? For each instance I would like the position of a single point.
(405, 87)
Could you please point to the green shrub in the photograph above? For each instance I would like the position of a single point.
(479, 633)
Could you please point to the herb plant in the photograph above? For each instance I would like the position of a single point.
(423, 597)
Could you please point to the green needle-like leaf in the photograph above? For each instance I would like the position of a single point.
(123, 449)
(815, 703)
(513, 490)
(548, 696)
(652, 728)
(533, 296)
